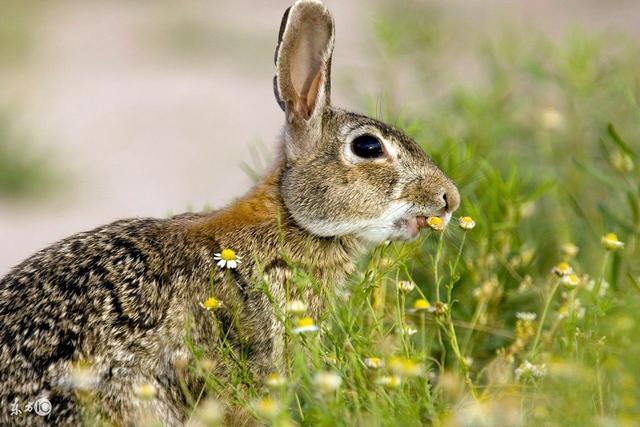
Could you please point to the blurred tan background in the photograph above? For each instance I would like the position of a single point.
(148, 107)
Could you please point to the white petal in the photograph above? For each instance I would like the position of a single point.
(302, 329)
(221, 263)
(232, 264)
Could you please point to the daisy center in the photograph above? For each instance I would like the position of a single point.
(211, 303)
(421, 304)
(228, 255)
(305, 321)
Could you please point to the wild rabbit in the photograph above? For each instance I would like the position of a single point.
(119, 301)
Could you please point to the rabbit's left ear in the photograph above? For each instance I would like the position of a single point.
(303, 60)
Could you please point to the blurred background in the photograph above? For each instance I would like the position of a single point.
(113, 109)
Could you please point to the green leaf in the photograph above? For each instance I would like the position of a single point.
(613, 133)
(597, 174)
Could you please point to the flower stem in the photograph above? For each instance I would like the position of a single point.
(544, 316)
(436, 262)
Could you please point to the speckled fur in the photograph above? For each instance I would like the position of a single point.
(124, 298)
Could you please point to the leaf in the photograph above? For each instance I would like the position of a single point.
(607, 213)
(597, 174)
(577, 209)
(619, 142)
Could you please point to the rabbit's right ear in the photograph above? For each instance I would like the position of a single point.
(303, 60)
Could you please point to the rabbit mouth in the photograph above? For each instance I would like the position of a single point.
(421, 221)
(415, 224)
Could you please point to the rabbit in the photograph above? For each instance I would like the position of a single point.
(121, 301)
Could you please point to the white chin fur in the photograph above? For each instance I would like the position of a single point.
(393, 224)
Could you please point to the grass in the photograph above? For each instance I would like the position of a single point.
(543, 150)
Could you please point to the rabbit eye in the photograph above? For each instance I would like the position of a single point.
(367, 147)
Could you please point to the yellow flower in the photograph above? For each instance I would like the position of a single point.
(466, 223)
(391, 381)
(275, 380)
(570, 280)
(373, 362)
(267, 407)
(421, 304)
(406, 286)
(211, 303)
(562, 269)
(296, 307)
(305, 324)
(610, 242)
(227, 258)
(436, 223)
(145, 391)
(404, 367)
(327, 382)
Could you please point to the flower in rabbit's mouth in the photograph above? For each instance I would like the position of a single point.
(211, 303)
(436, 223)
(227, 258)
(305, 324)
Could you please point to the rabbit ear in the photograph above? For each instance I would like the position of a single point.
(303, 60)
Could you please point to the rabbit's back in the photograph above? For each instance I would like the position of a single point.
(118, 292)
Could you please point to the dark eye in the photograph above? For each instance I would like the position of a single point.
(367, 147)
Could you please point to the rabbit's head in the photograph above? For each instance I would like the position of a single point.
(344, 173)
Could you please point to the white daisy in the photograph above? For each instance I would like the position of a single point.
(227, 258)
(305, 325)
(296, 307)
(327, 382)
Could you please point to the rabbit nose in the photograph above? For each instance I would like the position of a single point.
(451, 198)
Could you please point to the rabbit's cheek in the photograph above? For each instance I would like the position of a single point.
(412, 228)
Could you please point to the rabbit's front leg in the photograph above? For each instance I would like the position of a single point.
(262, 341)
(245, 333)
